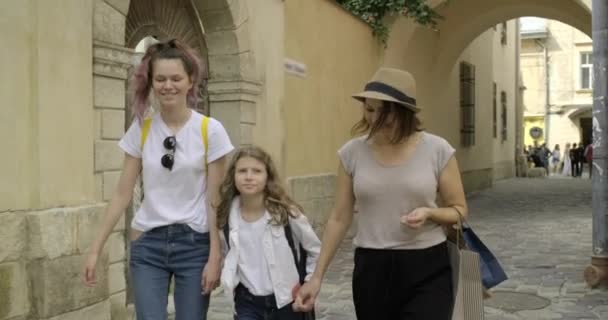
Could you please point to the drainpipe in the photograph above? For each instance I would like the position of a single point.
(547, 91)
(520, 160)
(597, 272)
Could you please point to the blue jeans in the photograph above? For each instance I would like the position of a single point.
(250, 307)
(157, 255)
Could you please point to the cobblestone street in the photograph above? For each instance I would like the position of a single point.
(540, 229)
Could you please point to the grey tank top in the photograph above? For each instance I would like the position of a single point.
(384, 193)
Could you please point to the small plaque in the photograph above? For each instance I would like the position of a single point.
(296, 68)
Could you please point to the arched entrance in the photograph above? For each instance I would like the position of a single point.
(469, 18)
(434, 65)
(164, 20)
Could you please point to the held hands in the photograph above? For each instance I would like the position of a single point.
(306, 295)
(416, 218)
(211, 276)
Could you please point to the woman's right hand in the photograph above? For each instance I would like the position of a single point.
(307, 295)
(89, 278)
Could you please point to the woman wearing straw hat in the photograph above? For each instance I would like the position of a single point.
(393, 173)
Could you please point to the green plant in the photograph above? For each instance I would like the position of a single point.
(374, 11)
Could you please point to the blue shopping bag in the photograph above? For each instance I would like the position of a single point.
(492, 272)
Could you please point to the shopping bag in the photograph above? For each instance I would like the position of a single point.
(466, 278)
(492, 272)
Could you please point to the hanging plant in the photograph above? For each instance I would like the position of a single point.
(374, 11)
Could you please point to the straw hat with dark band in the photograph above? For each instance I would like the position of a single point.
(394, 85)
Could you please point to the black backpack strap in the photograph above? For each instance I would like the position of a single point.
(227, 233)
(300, 263)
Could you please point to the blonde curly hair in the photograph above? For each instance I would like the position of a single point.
(276, 200)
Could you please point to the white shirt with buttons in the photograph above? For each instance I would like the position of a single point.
(276, 252)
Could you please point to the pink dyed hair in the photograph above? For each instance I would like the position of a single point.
(141, 79)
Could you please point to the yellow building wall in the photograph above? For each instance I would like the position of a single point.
(529, 123)
(266, 37)
(16, 112)
(47, 117)
(476, 157)
(340, 56)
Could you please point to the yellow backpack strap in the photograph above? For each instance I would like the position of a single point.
(205, 136)
(145, 128)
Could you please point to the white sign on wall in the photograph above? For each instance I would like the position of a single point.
(296, 68)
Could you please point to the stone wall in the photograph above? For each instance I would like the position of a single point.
(475, 180)
(504, 170)
(315, 194)
(41, 265)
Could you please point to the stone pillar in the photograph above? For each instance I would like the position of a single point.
(233, 103)
(233, 87)
(597, 273)
(111, 63)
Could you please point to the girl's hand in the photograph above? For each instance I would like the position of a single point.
(211, 276)
(89, 278)
(306, 295)
(416, 218)
(294, 291)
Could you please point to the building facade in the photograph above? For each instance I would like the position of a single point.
(557, 73)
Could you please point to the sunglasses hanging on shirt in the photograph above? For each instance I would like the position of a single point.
(167, 160)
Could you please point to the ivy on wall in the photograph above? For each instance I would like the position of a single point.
(374, 11)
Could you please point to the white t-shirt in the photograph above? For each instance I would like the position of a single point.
(177, 195)
(252, 266)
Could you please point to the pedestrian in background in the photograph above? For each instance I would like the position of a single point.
(566, 162)
(588, 154)
(555, 158)
(574, 160)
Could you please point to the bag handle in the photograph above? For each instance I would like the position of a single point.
(460, 226)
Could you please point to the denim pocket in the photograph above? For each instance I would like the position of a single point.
(199, 238)
(138, 239)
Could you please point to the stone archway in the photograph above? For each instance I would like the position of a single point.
(164, 19)
(468, 19)
(466, 23)
(168, 19)
(435, 66)
(219, 29)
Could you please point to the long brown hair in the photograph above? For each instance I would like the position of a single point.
(407, 122)
(276, 200)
